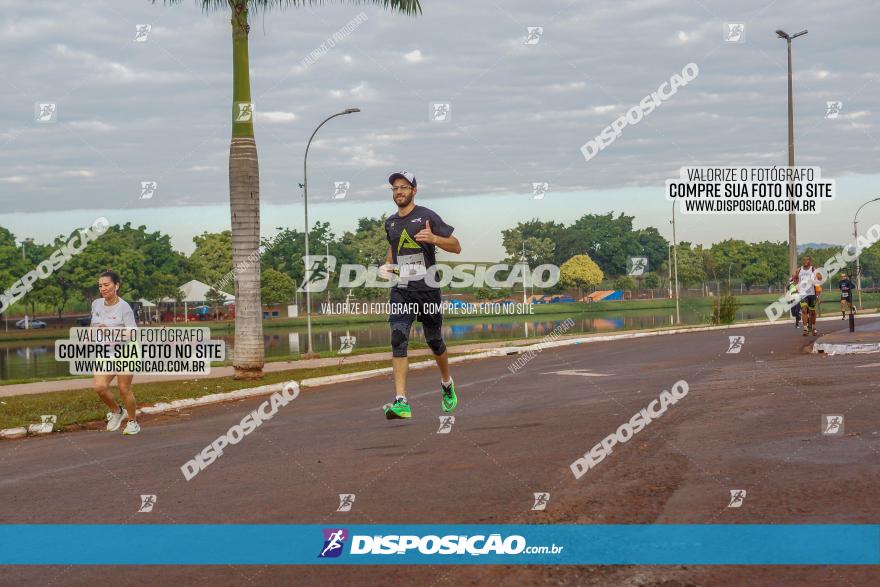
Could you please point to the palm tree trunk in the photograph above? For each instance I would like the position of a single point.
(244, 205)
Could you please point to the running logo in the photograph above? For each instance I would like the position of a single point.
(334, 542)
(317, 274)
(832, 424)
(346, 500)
(734, 32)
(45, 112)
(341, 189)
(244, 112)
(540, 189)
(446, 423)
(533, 35)
(736, 344)
(737, 497)
(142, 32)
(541, 501)
(346, 344)
(636, 266)
(46, 425)
(147, 503)
(440, 112)
(832, 109)
(148, 189)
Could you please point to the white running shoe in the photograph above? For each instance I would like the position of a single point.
(114, 419)
(132, 428)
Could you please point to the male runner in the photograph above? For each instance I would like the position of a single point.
(846, 288)
(413, 233)
(807, 277)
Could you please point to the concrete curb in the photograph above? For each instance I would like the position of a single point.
(176, 405)
(851, 348)
(214, 398)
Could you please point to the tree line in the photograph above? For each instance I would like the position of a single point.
(151, 269)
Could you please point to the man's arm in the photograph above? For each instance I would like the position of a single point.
(449, 244)
(388, 256)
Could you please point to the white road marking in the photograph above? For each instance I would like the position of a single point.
(578, 372)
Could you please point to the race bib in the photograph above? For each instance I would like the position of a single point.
(844, 294)
(412, 266)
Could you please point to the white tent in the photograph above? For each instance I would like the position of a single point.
(148, 304)
(196, 292)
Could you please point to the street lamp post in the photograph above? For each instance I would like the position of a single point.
(309, 352)
(855, 237)
(729, 291)
(792, 218)
(675, 266)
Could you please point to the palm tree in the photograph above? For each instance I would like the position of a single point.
(244, 177)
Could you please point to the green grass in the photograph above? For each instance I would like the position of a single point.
(82, 406)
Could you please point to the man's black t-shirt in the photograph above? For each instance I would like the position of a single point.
(412, 257)
(846, 286)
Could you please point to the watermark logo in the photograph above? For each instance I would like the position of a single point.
(317, 274)
(832, 424)
(533, 35)
(735, 344)
(441, 112)
(539, 189)
(331, 41)
(142, 32)
(832, 266)
(334, 542)
(148, 189)
(541, 501)
(446, 423)
(734, 32)
(530, 354)
(56, 260)
(411, 268)
(45, 112)
(346, 501)
(737, 497)
(634, 115)
(636, 266)
(46, 425)
(346, 344)
(244, 112)
(833, 109)
(147, 504)
(630, 428)
(264, 412)
(340, 189)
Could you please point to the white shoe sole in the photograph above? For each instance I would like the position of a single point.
(111, 428)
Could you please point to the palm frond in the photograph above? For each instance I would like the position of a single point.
(408, 7)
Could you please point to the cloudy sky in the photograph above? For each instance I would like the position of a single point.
(158, 110)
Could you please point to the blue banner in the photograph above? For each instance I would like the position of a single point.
(665, 544)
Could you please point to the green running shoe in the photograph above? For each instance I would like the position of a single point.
(449, 401)
(399, 409)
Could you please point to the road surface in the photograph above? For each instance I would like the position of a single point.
(752, 420)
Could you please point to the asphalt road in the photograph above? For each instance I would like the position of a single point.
(751, 420)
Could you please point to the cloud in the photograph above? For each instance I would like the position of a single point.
(275, 117)
(91, 125)
(414, 56)
(78, 173)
